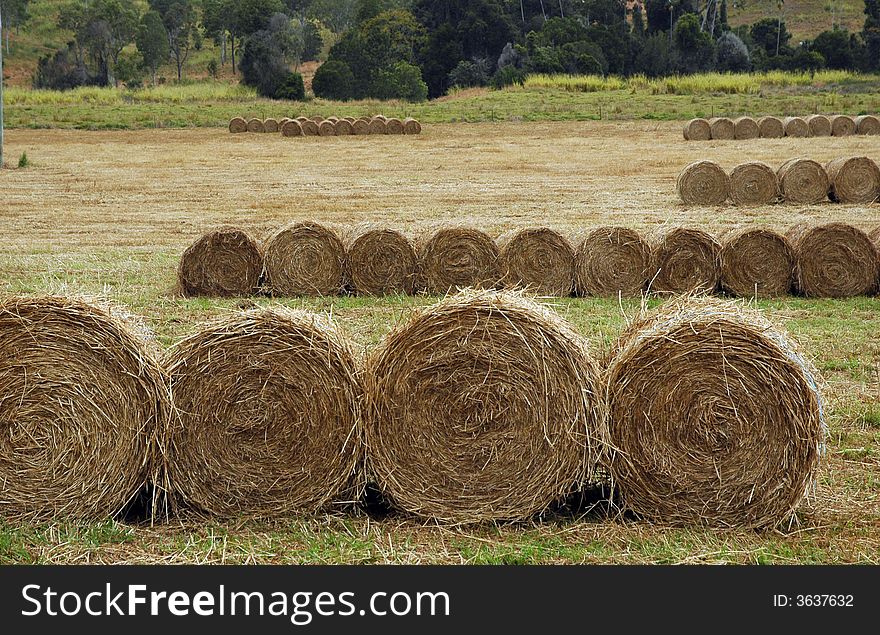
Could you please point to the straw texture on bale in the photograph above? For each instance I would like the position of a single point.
(411, 126)
(771, 128)
(377, 126)
(238, 124)
(867, 124)
(796, 127)
(394, 126)
(270, 125)
(820, 125)
(842, 126)
(454, 258)
(756, 262)
(611, 262)
(292, 129)
(703, 183)
(537, 259)
(283, 121)
(310, 128)
(302, 119)
(714, 417)
(746, 128)
(84, 410)
(360, 127)
(326, 129)
(380, 261)
(853, 180)
(225, 262)
(317, 119)
(343, 127)
(482, 407)
(684, 261)
(269, 417)
(304, 259)
(802, 181)
(256, 125)
(722, 128)
(753, 183)
(697, 130)
(382, 117)
(835, 260)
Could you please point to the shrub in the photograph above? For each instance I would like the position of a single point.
(61, 72)
(292, 88)
(470, 73)
(401, 81)
(732, 54)
(508, 76)
(334, 80)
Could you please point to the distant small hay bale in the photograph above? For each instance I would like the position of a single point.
(703, 183)
(853, 180)
(85, 410)
(411, 126)
(225, 262)
(270, 125)
(310, 128)
(539, 260)
(382, 117)
(753, 183)
(771, 128)
(612, 261)
(867, 124)
(256, 125)
(269, 415)
(684, 261)
(796, 127)
(333, 119)
(343, 128)
(835, 260)
(722, 128)
(746, 128)
(350, 120)
(394, 126)
(238, 125)
(843, 126)
(326, 129)
(283, 121)
(697, 130)
(715, 418)
(360, 127)
(304, 258)
(756, 262)
(802, 181)
(292, 129)
(454, 258)
(380, 261)
(302, 119)
(377, 126)
(484, 407)
(317, 119)
(820, 125)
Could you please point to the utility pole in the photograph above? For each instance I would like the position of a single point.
(1, 94)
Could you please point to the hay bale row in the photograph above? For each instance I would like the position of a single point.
(775, 127)
(803, 181)
(330, 127)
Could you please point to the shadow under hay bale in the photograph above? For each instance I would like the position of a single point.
(722, 128)
(796, 127)
(753, 183)
(771, 128)
(256, 125)
(380, 261)
(756, 262)
(84, 408)
(411, 126)
(304, 259)
(835, 260)
(745, 128)
(703, 183)
(802, 181)
(343, 128)
(225, 262)
(539, 260)
(291, 129)
(612, 261)
(820, 126)
(269, 415)
(715, 418)
(238, 125)
(454, 258)
(843, 126)
(853, 180)
(482, 407)
(697, 130)
(684, 261)
(867, 124)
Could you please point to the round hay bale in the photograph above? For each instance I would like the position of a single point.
(455, 258)
(292, 129)
(350, 120)
(753, 183)
(225, 262)
(796, 127)
(843, 126)
(697, 130)
(539, 260)
(714, 417)
(237, 125)
(343, 128)
(411, 126)
(377, 126)
(255, 125)
(802, 181)
(746, 128)
(304, 259)
(853, 180)
(270, 125)
(482, 407)
(310, 128)
(722, 128)
(684, 261)
(333, 120)
(283, 121)
(382, 117)
(317, 119)
(867, 124)
(394, 126)
(326, 129)
(360, 127)
(84, 411)
(269, 415)
(302, 119)
(380, 261)
(703, 183)
(756, 262)
(835, 260)
(771, 128)
(820, 125)
(611, 262)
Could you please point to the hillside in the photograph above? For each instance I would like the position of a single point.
(803, 18)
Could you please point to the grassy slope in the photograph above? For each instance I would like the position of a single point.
(803, 18)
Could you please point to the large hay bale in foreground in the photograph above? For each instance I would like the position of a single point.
(482, 407)
(378, 126)
(454, 258)
(304, 258)
(835, 260)
(269, 415)
(271, 125)
(612, 262)
(291, 129)
(411, 126)
(722, 128)
(360, 127)
(867, 124)
(343, 128)
(84, 411)
(715, 418)
(310, 128)
(820, 125)
(771, 128)
(802, 181)
(753, 183)
(225, 262)
(684, 261)
(697, 130)
(238, 125)
(380, 261)
(703, 183)
(745, 128)
(796, 127)
(539, 260)
(756, 262)
(843, 126)
(255, 125)
(853, 180)
(394, 126)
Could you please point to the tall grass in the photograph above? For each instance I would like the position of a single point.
(170, 93)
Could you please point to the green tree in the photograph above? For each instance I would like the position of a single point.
(152, 42)
(695, 47)
(101, 28)
(181, 24)
(871, 35)
(400, 81)
(334, 80)
(767, 33)
(15, 14)
(834, 46)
